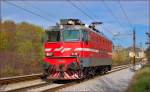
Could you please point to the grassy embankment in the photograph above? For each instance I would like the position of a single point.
(141, 81)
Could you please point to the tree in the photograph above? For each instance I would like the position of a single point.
(31, 35)
(7, 34)
(21, 48)
(3, 41)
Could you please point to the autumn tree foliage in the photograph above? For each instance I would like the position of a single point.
(21, 48)
(7, 32)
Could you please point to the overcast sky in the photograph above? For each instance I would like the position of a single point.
(108, 12)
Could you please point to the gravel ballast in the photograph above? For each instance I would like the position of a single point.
(114, 82)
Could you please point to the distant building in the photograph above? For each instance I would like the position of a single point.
(139, 53)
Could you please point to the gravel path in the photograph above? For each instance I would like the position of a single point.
(115, 82)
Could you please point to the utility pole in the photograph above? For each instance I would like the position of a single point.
(134, 39)
(148, 49)
(148, 34)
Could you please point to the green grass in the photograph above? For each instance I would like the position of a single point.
(141, 81)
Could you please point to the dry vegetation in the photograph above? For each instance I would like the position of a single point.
(20, 48)
(120, 57)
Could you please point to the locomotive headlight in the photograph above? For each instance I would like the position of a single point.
(48, 54)
(74, 54)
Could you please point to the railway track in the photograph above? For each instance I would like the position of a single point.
(33, 82)
(53, 89)
(9, 80)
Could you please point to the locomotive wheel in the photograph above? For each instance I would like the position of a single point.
(106, 69)
(81, 74)
(91, 72)
(44, 76)
(102, 70)
(85, 73)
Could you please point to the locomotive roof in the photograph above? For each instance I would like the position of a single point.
(62, 27)
(75, 24)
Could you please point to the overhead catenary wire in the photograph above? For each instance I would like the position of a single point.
(33, 13)
(41, 10)
(82, 11)
(96, 16)
(29, 11)
(111, 12)
(126, 16)
(78, 9)
(80, 2)
(90, 11)
(74, 5)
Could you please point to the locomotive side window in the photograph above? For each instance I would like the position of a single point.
(71, 35)
(85, 36)
(53, 36)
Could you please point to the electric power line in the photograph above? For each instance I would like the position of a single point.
(31, 12)
(95, 16)
(86, 8)
(129, 22)
(47, 13)
(74, 5)
(111, 12)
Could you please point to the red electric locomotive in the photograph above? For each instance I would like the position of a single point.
(74, 51)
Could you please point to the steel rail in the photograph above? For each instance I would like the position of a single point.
(15, 79)
(24, 89)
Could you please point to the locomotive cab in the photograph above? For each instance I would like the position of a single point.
(61, 51)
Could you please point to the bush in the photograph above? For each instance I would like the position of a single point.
(141, 81)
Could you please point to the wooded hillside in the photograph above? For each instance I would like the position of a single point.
(20, 48)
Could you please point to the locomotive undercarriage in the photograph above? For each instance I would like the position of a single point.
(89, 72)
(81, 73)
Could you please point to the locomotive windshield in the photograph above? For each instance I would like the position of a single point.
(71, 35)
(53, 36)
